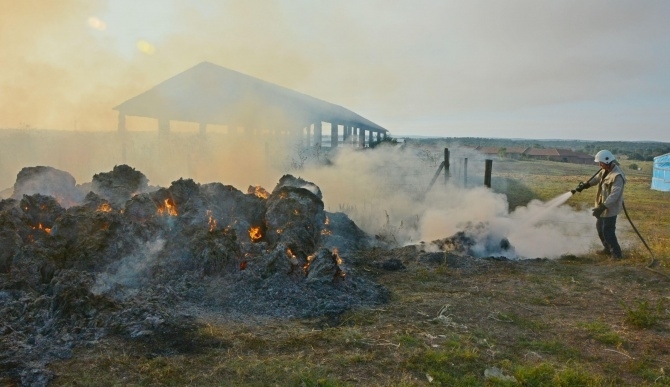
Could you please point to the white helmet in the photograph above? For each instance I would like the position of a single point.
(604, 156)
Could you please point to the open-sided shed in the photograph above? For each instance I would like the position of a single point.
(660, 180)
(211, 94)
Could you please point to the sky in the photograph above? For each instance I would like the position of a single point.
(585, 70)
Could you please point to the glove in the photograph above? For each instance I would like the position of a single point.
(599, 210)
(582, 186)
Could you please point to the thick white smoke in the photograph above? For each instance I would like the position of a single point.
(384, 191)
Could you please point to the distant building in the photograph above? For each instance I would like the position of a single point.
(560, 155)
(551, 154)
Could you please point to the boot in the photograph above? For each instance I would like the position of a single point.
(604, 252)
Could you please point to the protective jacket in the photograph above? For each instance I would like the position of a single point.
(610, 190)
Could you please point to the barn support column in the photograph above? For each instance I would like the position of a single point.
(361, 137)
(163, 126)
(318, 133)
(334, 134)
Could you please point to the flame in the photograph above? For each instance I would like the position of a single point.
(255, 233)
(259, 192)
(327, 222)
(40, 227)
(243, 265)
(326, 232)
(279, 231)
(211, 221)
(170, 208)
(310, 258)
(336, 254)
(104, 207)
(296, 212)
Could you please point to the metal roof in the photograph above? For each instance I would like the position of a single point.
(211, 94)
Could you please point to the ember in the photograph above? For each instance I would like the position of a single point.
(211, 221)
(259, 192)
(45, 229)
(255, 234)
(169, 208)
(104, 207)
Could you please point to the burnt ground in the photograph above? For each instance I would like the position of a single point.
(450, 318)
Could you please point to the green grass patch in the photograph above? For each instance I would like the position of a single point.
(602, 333)
(643, 315)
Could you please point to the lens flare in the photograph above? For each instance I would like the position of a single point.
(96, 23)
(146, 47)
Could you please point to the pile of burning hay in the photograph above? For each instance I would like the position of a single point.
(116, 256)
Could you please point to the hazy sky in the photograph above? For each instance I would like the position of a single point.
(592, 70)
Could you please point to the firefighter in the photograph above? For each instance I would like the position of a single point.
(609, 201)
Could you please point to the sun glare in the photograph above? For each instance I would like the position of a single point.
(145, 47)
(96, 23)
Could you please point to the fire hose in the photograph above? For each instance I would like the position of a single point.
(653, 262)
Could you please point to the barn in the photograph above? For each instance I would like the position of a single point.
(660, 180)
(209, 94)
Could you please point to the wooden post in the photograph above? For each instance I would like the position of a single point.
(318, 133)
(446, 165)
(487, 173)
(465, 172)
(334, 134)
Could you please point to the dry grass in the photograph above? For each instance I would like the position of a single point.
(576, 321)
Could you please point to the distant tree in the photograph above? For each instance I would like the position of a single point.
(633, 166)
(502, 152)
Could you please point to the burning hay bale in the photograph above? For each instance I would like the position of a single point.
(130, 261)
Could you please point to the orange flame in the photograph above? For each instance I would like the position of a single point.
(255, 233)
(211, 221)
(169, 208)
(310, 258)
(326, 232)
(259, 192)
(327, 222)
(104, 207)
(45, 229)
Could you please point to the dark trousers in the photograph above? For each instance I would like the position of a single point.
(606, 232)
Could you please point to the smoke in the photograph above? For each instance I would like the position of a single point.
(384, 191)
(130, 271)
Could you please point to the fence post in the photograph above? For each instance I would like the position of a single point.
(465, 172)
(446, 165)
(487, 173)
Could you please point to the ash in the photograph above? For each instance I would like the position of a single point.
(117, 257)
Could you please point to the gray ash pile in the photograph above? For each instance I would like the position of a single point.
(125, 259)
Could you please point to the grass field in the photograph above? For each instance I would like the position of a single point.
(575, 321)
